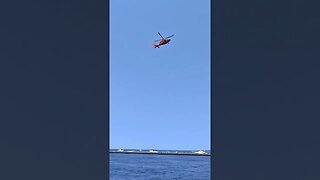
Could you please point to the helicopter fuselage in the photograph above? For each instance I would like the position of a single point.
(162, 42)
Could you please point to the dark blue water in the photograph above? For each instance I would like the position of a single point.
(162, 167)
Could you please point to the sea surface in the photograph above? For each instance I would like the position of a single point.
(158, 167)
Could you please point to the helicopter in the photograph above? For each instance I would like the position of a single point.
(163, 41)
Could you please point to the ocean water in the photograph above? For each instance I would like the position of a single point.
(158, 167)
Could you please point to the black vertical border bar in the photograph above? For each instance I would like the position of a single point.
(211, 86)
(48, 143)
(108, 87)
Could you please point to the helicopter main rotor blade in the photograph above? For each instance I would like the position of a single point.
(169, 36)
(157, 40)
(160, 35)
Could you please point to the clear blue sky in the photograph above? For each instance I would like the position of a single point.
(160, 98)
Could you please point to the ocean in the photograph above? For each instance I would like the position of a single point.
(158, 167)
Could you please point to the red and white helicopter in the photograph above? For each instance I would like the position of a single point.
(163, 41)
